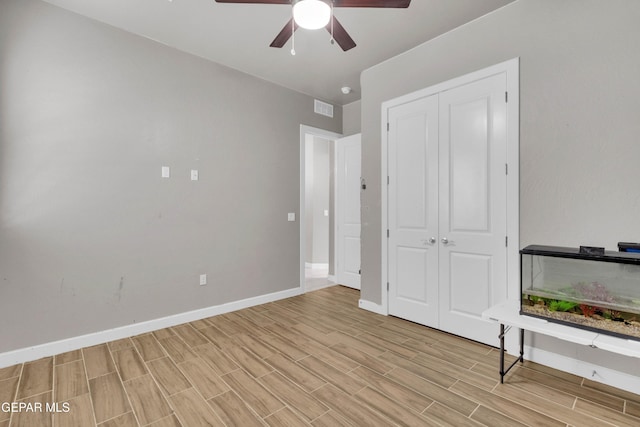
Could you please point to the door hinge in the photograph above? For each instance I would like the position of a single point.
(506, 97)
(387, 286)
(387, 126)
(506, 241)
(506, 169)
(387, 179)
(387, 233)
(360, 272)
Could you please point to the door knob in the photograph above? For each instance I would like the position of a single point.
(432, 240)
(444, 240)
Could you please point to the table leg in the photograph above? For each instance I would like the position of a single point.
(521, 345)
(502, 353)
(520, 359)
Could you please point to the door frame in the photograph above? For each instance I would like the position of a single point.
(326, 134)
(511, 68)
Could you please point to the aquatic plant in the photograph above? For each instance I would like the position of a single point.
(588, 310)
(534, 299)
(561, 305)
(614, 314)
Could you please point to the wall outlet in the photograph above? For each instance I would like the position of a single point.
(194, 175)
(291, 216)
(166, 172)
(203, 279)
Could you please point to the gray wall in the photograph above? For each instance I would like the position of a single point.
(351, 116)
(91, 237)
(579, 127)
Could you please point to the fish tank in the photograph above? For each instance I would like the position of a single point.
(586, 288)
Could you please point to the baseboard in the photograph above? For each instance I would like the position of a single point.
(590, 371)
(317, 265)
(56, 347)
(332, 278)
(371, 306)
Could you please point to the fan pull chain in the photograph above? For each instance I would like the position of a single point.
(332, 39)
(293, 36)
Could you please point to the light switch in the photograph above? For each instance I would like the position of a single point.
(194, 175)
(326, 212)
(291, 216)
(166, 172)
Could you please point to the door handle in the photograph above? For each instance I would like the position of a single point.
(444, 241)
(431, 241)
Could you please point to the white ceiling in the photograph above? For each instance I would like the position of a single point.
(238, 36)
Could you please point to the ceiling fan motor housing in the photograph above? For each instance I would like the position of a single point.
(311, 14)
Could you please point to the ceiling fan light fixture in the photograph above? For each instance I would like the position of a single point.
(311, 14)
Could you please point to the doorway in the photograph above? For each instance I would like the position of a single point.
(317, 193)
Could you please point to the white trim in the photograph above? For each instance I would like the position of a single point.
(316, 265)
(512, 70)
(304, 130)
(582, 369)
(372, 306)
(56, 347)
(384, 213)
(332, 279)
(335, 212)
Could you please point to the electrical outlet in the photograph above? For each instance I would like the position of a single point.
(194, 175)
(166, 172)
(203, 279)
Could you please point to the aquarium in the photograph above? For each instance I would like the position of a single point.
(588, 289)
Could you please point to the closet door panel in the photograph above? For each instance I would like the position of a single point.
(472, 189)
(469, 161)
(413, 211)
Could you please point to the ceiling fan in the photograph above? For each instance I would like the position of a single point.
(315, 14)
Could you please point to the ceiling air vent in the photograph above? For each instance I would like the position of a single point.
(323, 108)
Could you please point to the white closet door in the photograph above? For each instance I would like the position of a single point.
(473, 253)
(413, 211)
(348, 221)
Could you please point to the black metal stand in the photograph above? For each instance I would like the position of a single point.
(503, 332)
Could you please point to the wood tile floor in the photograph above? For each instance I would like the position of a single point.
(315, 359)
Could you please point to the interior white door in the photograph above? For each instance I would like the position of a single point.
(413, 211)
(348, 163)
(473, 206)
(447, 208)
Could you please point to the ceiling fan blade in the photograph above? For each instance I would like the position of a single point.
(340, 35)
(256, 1)
(372, 3)
(284, 35)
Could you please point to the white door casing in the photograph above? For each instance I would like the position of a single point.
(413, 210)
(322, 133)
(348, 164)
